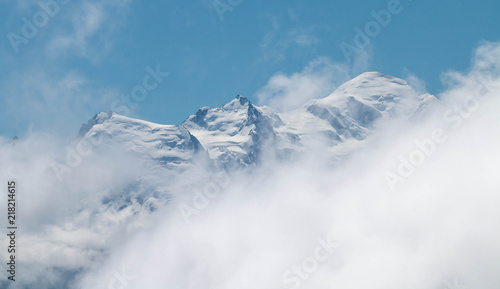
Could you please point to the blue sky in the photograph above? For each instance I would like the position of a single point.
(87, 54)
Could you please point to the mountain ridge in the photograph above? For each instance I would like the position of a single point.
(239, 134)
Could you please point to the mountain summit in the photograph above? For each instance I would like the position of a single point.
(239, 134)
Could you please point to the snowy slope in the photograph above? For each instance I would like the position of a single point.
(235, 133)
(239, 134)
(168, 145)
(351, 112)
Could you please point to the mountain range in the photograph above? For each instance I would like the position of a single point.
(241, 134)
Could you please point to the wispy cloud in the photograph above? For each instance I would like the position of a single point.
(417, 83)
(91, 24)
(277, 43)
(52, 97)
(52, 101)
(317, 80)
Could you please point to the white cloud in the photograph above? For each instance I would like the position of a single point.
(417, 83)
(317, 80)
(362, 61)
(441, 223)
(90, 29)
(485, 71)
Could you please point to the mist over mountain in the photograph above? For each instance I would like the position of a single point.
(232, 144)
(374, 180)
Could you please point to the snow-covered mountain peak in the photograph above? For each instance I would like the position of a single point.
(353, 109)
(371, 96)
(97, 119)
(373, 88)
(233, 133)
(240, 102)
(168, 145)
(239, 133)
(373, 80)
(375, 76)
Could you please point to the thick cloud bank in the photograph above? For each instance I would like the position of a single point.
(417, 207)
